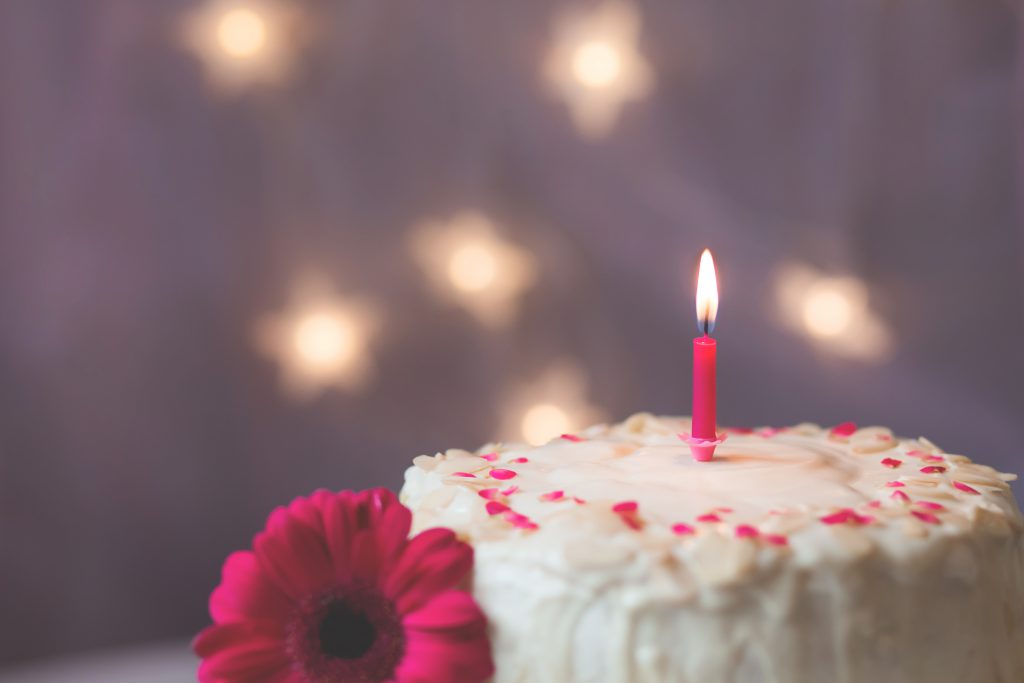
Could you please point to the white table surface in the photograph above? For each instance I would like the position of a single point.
(158, 663)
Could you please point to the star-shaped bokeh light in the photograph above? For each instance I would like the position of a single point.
(595, 66)
(833, 312)
(320, 340)
(470, 264)
(243, 43)
(554, 404)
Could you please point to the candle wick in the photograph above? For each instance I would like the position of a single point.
(706, 328)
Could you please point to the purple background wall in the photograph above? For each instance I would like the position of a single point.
(146, 224)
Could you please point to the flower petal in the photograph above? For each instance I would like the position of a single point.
(244, 592)
(293, 556)
(436, 657)
(432, 562)
(260, 660)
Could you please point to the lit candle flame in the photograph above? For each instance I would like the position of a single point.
(707, 293)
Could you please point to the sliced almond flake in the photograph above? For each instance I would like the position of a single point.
(425, 462)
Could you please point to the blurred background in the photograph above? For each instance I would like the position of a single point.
(253, 248)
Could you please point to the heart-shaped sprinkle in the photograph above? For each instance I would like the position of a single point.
(489, 494)
(710, 517)
(775, 539)
(900, 496)
(933, 469)
(510, 490)
(683, 529)
(468, 475)
(929, 505)
(552, 496)
(495, 507)
(844, 429)
(895, 484)
(625, 507)
(571, 437)
(892, 463)
(490, 457)
(499, 473)
(520, 460)
(747, 531)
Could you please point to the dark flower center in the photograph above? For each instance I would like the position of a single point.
(350, 633)
(345, 632)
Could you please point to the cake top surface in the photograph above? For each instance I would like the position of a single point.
(774, 487)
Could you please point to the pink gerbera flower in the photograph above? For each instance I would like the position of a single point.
(335, 591)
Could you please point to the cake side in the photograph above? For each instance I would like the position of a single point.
(801, 554)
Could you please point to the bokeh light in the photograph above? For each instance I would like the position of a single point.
(320, 340)
(552, 404)
(243, 43)
(834, 313)
(597, 64)
(543, 422)
(241, 32)
(469, 264)
(594, 65)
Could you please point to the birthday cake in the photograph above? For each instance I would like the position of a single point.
(797, 555)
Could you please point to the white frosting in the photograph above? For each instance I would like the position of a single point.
(813, 573)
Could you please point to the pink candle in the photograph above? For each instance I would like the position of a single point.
(704, 423)
(704, 436)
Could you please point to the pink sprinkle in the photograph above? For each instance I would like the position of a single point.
(710, 517)
(724, 511)
(768, 432)
(926, 517)
(895, 484)
(495, 507)
(464, 474)
(578, 501)
(490, 457)
(747, 531)
(627, 506)
(515, 517)
(841, 517)
(929, 505)
(892, 462)
(499, 473)
(552, 496)
(489, 494)
(683, 529)
(900, 496)
(933, 458)
(571, 437)
(933, 469)
(510, 490)
(520, 460)
(875, 504)
(847, 516)
(965, 488)
(844, 429)
(776, 539)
